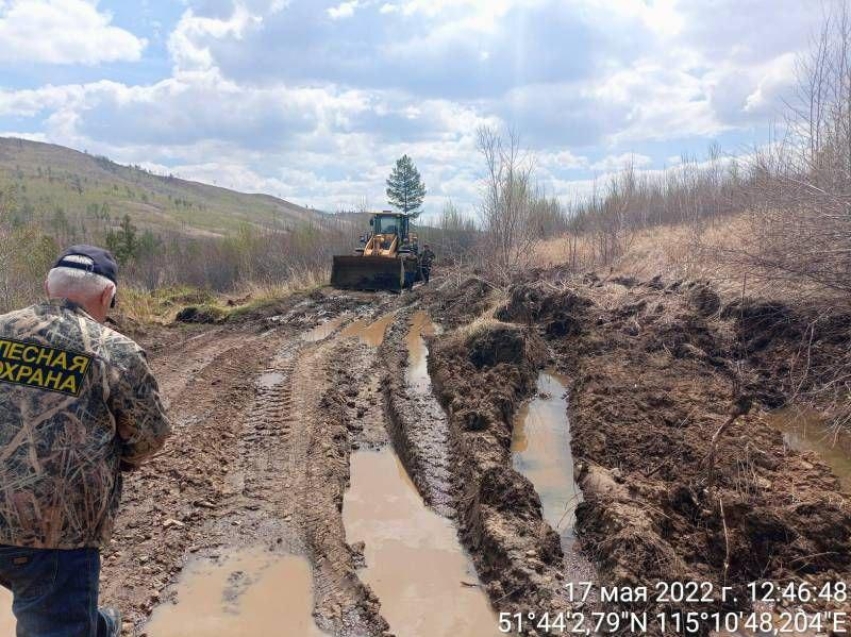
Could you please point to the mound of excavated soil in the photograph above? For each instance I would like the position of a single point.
(205, 315)
(657, 371)
(655, 378)
(481, 378)
(556, 308)
(457, 301)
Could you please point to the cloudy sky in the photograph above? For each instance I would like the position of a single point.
(314, 100)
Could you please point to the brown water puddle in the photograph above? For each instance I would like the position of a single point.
(371, 333)
(541, 451)
(323, 330)
(252, 592)
(270, 380)
(425, 581)
(805, 430)
(417, 372)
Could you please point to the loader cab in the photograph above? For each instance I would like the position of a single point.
(390, 224)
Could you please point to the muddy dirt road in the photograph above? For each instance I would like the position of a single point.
(387, 474)
(367, 465)
(286, 426)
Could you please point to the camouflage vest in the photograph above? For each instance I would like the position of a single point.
(76, 400)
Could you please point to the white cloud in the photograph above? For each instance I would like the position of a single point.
(63, 32)
(561, 160)
(343, 10)
(612, 163)
(188, 42)
(32, 102)
(777, 75)
(296, 98)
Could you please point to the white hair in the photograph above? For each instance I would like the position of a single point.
(70, 282)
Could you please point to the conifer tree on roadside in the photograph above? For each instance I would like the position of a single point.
(405, 187)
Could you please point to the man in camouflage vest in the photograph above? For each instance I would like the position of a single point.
(426, 259)
(78, 405)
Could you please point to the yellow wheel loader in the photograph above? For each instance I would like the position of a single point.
(388, 260)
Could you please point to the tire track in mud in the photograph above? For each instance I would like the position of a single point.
(288, 477)
(418, 424)
(482, 376)
(471, 478)
(170, 502)
(259, 502)
(321, 449)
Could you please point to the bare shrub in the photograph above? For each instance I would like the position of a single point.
(801, 186)
(455, 237)
(508, 205)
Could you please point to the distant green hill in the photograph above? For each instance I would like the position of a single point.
(60, 188)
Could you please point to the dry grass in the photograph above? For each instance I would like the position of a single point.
(160, 306)
(714, 251)
(298, 282)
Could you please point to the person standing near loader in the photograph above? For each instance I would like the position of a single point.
(78, 406)
(426, 259)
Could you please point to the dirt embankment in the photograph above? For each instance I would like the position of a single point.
(657, 371)
(481, 377)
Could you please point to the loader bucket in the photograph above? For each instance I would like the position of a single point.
(367, 273)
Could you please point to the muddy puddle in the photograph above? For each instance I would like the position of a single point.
(369, 332)
(805, 430)
(269, 380)
(323, 330)
(425, 581)
(541, 451)
(417, 371)
(251, 592)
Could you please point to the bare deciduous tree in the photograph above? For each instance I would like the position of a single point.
(507, 203)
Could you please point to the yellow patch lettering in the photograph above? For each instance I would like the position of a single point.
(79, 364)
(61, 360)
(42, 367)
(45, 357)
(70, 385)
(53, 379)
(37, 378)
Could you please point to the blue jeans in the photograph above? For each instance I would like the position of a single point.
(55, 592)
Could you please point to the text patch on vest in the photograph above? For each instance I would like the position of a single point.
(41, 367)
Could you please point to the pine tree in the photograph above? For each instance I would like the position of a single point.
(123, 243)
(405, 188)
